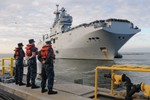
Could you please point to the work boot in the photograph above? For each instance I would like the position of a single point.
(52, 92)
(28, 85)
(34, 86)
(43, 90)
(16, 83)
(128, 98)
(21, 84)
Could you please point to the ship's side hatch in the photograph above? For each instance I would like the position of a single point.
(104, 51)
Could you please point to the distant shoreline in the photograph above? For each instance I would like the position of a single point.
(134, 53)
(5, 55)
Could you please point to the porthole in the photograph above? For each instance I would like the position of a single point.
(57, 51)
(119, 37)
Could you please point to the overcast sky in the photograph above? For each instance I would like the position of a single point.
(21, 20)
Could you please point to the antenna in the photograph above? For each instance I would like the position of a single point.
(57, 6)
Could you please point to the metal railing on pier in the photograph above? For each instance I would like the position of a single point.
(120, 68)
(10, 66)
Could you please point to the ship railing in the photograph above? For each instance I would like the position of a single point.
(52, 35)
(116, 68)
(101, 23)
(119, 20)
(10, 66)
(78, 26)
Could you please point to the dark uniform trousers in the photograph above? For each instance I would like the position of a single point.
(47, 73)
(19, 70)
(32, 70)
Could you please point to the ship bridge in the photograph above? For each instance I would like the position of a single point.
(63, 21)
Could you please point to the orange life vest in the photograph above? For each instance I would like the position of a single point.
(45, 51)
(28, 50)
(17, 54)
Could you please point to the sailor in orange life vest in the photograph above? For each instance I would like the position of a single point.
(46, 57)
(31, 52)
(19, 55)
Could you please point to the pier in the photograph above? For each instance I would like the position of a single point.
(65, 92)
(72, 91)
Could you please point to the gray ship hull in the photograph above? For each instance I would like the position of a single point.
(89, 43)
(94, 45)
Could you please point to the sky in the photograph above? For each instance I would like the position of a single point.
(21, 20)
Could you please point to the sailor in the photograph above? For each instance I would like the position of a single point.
(31, 52)
(19, 55)
(46, 57)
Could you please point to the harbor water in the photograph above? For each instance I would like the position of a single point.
(83, 71)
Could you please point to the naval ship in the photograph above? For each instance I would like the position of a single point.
(100, 39)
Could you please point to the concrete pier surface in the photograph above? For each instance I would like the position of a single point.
(65, 92)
